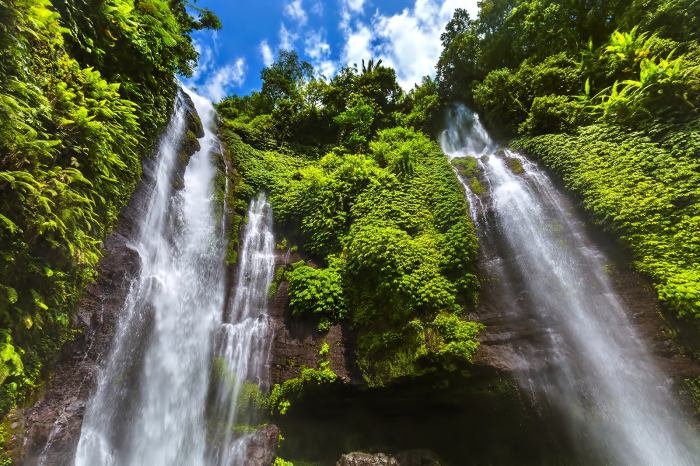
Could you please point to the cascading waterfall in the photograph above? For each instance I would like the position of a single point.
(244, 340)
(150, 403)
(590, 364)
(148, 408)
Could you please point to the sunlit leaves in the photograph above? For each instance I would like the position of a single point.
(644, 186)
(71, 145)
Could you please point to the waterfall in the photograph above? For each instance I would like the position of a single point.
(150, 405)
(244, 339)
(589, 364)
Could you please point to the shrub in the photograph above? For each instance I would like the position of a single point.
(317, 291)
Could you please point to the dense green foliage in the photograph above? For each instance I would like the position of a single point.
(73, 78)
(645, 187)
(318, 291)
(374, 203)
(534, 66)
(282, 395)
(607, 94)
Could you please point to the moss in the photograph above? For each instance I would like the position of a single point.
(279, 277)
(468, 170)
(393, 246)
(282, 395)
(194, 123)
(5, 457)
(466, 166)
(282, 462)
(190, 145)
(219, 186)
(515, 165)
(448, 343)
(11, 433)
(692, 388)
(476, 187)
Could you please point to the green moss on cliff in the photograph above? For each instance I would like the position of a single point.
(642, 186)
(376, 206)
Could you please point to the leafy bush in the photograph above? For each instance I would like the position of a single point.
(506, 96)
(458, 337)
(282, 395)
(390, 229)
(318, 292)
(554, 114)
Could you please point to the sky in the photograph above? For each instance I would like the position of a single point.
(329, 34)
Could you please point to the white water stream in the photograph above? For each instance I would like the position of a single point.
(592, 366)
(150, 404)
(244, 340)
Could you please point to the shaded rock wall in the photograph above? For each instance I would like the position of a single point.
(297, 341)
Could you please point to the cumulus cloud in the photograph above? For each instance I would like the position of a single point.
(408, 41)
(266, 53)
(287, 38)
(358, 45)
(355, 6)
(319, 52)
(315, 46)
(207, 51)
(295, 10)
(220, 81)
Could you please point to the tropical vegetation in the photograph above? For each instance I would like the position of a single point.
(364, 192)
(85, 88)
(607, 96)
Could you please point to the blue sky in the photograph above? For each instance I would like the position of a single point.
(329, 34)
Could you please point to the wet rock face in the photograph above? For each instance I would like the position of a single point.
(261, 447)
(297, 341)
(189, 145)
(52, 425)
(404, 458)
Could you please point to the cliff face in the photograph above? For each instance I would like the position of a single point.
(297, 341)
(50, 429)
(485, 408)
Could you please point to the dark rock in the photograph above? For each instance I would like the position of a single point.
(297, 340)
(261, 446)
(192, 120)
(367, 459)
(404, 458)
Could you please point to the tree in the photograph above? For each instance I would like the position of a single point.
(458, 66)
(284, 77)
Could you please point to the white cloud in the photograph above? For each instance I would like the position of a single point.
(319, 52)
(295, 10)
(266, 53)
(315, 46)
(358, 45)
(326, 68)
(219, 82)
(207, 49)
(355, 6)
(287, 38)
(408, 41)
